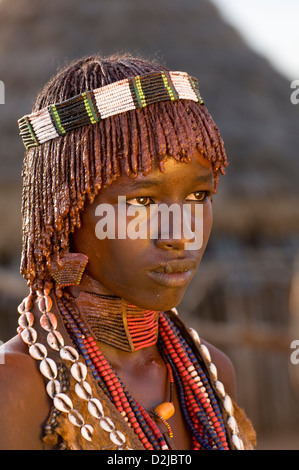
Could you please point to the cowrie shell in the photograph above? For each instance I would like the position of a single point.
(76, 418)
(117, 437)
(48, 368)
(79, 371)
(48, 321)
(55, 340)
(53, 388)
(48, 302)
(83, 390)
(25, 305)
(87, 432)
(205, 352)
(29, 335)
(213, 371)
(95, 408)
(228, 406)
(38, 351)
(26, 319)
(63, 403)
(107, 424)
(21, 307)
(238, 443)
(68, 353)
(45, 303)
(194, 335)
(28, 302)
(232, 423)
(220, 388)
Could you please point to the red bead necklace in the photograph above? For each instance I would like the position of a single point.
(119, 397)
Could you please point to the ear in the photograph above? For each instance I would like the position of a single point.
(68, 270)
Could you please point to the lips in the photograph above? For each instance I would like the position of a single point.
(174, 273)
(175, 266)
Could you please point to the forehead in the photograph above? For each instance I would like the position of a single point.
(174, 172)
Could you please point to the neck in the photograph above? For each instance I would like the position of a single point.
(88, 284)
(116, 322)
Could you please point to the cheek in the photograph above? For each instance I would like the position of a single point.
(208, 218)
(202, 221)
(120, 267)
(207, 223)
(118, 257)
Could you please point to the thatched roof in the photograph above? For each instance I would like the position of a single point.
(248, 99)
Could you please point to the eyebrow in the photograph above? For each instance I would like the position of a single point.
(208, 178)
(139, 184)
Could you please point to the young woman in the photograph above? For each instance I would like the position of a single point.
(122, 162)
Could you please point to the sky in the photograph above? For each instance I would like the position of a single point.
(270, 27)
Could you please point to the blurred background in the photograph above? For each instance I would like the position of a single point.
(245, 296)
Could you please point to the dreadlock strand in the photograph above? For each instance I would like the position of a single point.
(97, 158)
(150, 136)
(85, 161)
(143, 155)
(210, 138)
(183, 122)
(48, 193)
(134, 144)
(125, 142)
(172, 147)
(115, 169)
(108, 152)
(71, 157)
(159, 140)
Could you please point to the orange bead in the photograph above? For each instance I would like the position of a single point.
(165, 410)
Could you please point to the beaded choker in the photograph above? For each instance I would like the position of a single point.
(92, 106)
(118, 323)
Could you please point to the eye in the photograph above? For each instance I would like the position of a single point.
(140, 201)
(199, 196)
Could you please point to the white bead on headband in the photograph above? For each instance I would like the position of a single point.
(118, 97)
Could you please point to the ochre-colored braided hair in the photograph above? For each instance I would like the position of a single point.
(62, 175)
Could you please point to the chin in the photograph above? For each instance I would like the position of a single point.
(160, 302)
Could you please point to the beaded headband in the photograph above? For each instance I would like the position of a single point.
(92, 106)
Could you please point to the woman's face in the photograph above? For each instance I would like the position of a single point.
(149, 258)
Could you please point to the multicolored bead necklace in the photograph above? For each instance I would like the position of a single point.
(200, 408)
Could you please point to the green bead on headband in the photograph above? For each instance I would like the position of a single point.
(118, 97)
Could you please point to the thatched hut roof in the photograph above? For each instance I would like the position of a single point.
(248, 99)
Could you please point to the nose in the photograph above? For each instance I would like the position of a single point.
(175, 231)
(170, 244)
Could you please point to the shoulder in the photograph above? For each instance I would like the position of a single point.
(24, 406)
